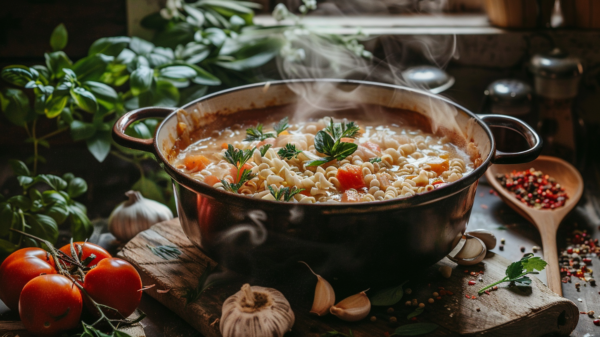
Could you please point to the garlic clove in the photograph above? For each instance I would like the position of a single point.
(473, 252)
(324, 295)
(353, 308)
(486, 236)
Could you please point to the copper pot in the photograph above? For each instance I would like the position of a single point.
(520, 13)
(362, 243)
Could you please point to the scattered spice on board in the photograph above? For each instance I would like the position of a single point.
(534, 188)
(577, 256)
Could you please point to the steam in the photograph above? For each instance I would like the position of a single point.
(310, 55)
(257, 233)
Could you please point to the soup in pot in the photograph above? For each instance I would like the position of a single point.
(323, 160)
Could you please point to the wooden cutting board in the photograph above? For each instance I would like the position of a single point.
(534, 311)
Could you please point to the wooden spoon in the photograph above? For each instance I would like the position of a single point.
(546, 221)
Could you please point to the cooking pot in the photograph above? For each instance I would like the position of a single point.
(371, 243)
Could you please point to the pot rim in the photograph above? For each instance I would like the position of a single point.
(358, 207)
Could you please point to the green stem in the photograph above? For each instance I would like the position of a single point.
(493, 284)
(54, 133)
(35, 148)
(22, 227)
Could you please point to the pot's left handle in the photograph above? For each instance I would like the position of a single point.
(136, 143)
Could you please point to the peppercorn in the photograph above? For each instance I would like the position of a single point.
(435, 294)
(591, 313)
(390, 310)
(502, 241)
(393, 319)
(522, 249)
(430, 301)
(478, 309)
(592, 282)
(408, 291)
(501, 247)
(407, 303)
(421, 305)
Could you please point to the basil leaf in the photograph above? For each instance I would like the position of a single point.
(15, 105)
(6, 218)
(99, 144)
(7, 248)
(111, 46)
(59, 212)
(323, 142)
(415, 313)
(415, 329)
(204, 77)
(19, 168)
(56, 62)
(84, 99)
(163, 94)
(42, 226)
(216, 36)
(76, 187)
(140, 46)
(91, 68)
(53, 197)
(59, 38)
(191, 93)
(388, 296)
(177, 72)
(105, 95)
(43, 73)
(17, 75)
(176, 34)
(55, 105)
(81, 226)
(343, 150)
(24, 180)
(318, 162)
(57, 183)
(81, 130)
(141, 80)
(20, 201)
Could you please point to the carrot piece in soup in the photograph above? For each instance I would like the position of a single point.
(350, 176)
(211, 180)
(347, 140)
(351, 195)
(224, 146)
(234, 171)
(196, 162)
(284, 133)
(440, 166)
(372, 146)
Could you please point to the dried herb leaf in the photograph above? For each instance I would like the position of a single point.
(165, 252)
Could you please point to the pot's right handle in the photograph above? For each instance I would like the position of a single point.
(515, 124)
(136, 143)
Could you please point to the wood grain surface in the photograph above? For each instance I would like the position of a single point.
(534, 311)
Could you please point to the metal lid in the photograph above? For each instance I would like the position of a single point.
(556, 64)
(509, 92)
(428, 77)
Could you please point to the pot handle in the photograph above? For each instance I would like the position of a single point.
(136, 143)
(524, 130)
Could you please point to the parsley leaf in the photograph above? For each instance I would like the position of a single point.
(234, 187)
(285, 192)
(238, 158)
(256, 133)
(281, 126)
(264, 149)
(329, 142)
(289, 151)
(375, 160)
(516, 272)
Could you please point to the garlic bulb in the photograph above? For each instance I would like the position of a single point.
(486, 236)
(472, 252)
(135, 215)
(324, 295)
(256, 312)
(353, 308)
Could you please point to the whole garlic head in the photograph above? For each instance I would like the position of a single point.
(256, 312)
(135, 215)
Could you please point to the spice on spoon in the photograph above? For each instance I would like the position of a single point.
(534, 188)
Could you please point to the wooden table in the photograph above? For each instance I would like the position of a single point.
(490, 213)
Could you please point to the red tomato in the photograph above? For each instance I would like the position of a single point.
(50, 304)
(233, 171)
(115, 283)
(87, 250)
(372, 146)
(350, 176)
(19, 268)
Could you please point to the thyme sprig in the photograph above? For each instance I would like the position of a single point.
(289, 151)
(285, 193)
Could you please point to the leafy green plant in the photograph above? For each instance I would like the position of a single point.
(40, 211)
(517, 272)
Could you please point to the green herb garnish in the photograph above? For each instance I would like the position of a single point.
(375, 160)
(329, 142)
(415, 313)
(285, 192)
(289, 151)
(263, 150)
(281, 126)
(388, 296)
(256, 133)
(518, 270)
(165, 252)
(238, 158)
(234, 187)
